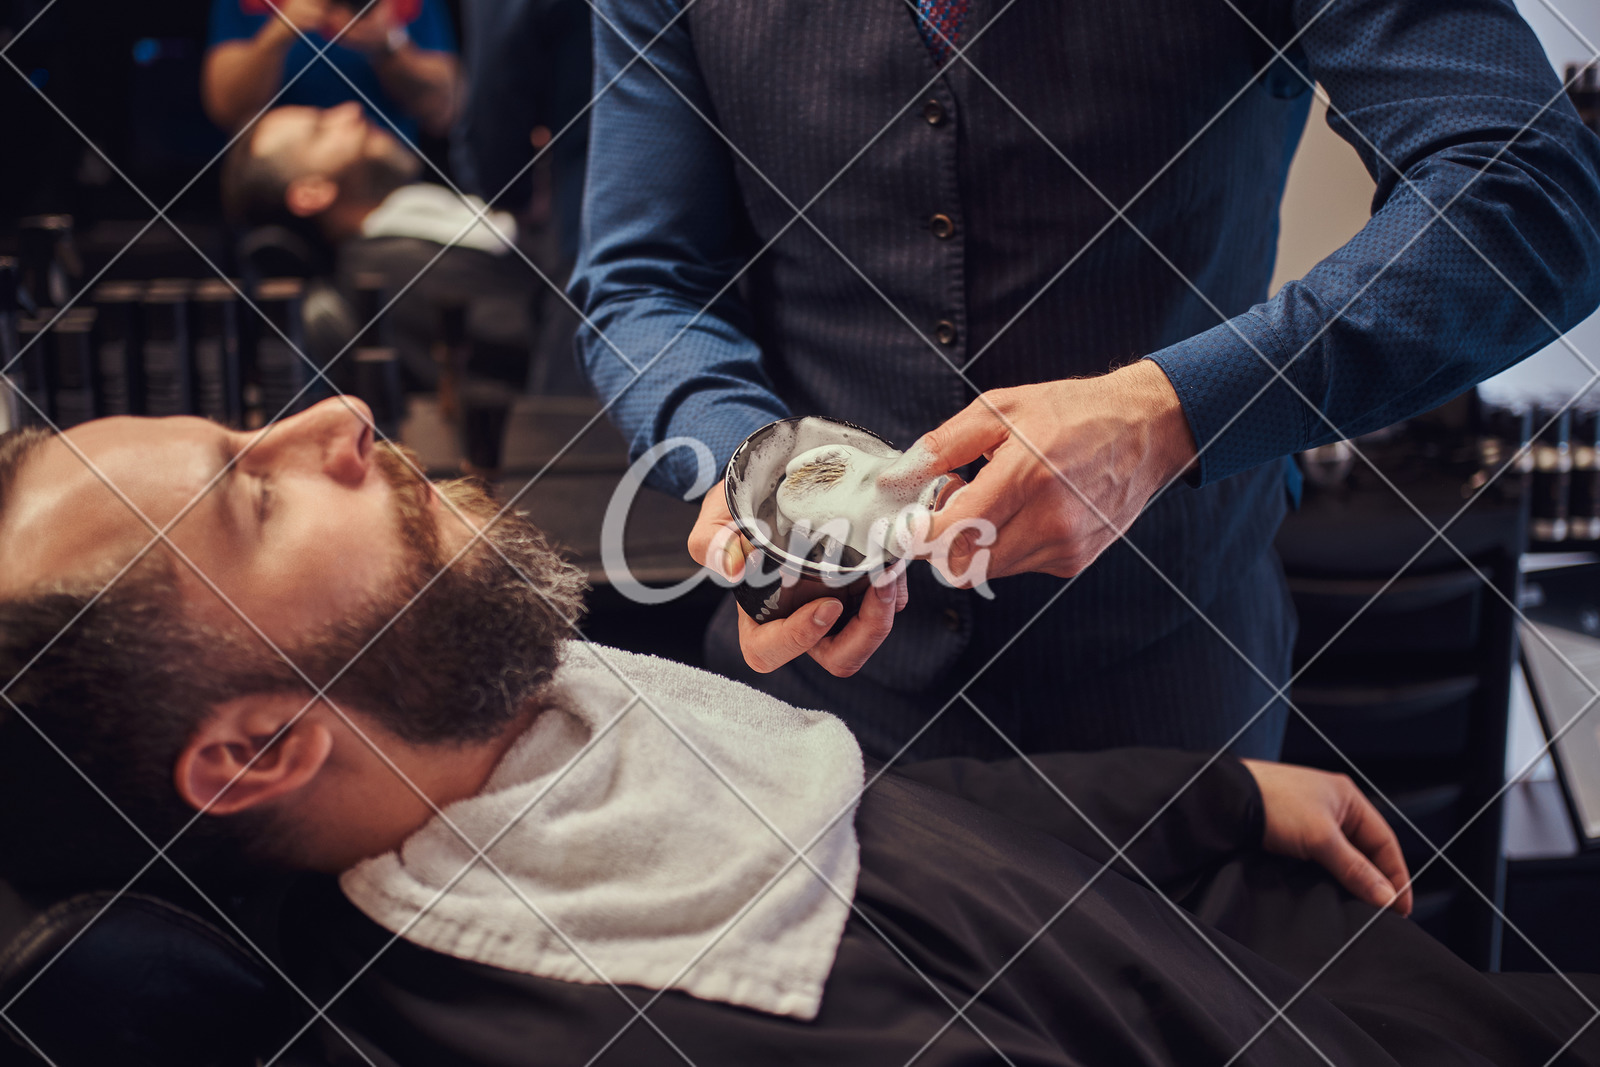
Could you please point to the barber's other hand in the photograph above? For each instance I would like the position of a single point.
(715, 542)
(369, 30)
(1116, 439)
(1313, 815)
(307, 16)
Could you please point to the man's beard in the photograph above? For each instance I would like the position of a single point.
(455, 650)
(371, 178)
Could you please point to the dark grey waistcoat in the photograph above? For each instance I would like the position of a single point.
(956, 230)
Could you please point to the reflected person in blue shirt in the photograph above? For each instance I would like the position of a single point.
(1041, 234)
(398, 54)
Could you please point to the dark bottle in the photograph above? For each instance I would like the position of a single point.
(377, 362)
(14, 414)
(34, 369)
(1552, 474)
(51, 268)
(1503, 431)
(70, 347)
(1583, 496)
(1583, 86)
(168, 349)
(59, 376)
(218, 392)
(119, 353)
(282, 374)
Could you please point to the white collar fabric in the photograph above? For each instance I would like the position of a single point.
(433, 213)
(632, 861)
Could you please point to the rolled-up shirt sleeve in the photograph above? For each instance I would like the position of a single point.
(1407, 314)
(664, 240)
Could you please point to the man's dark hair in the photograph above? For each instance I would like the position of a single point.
(16, 446)
(255, 187)
(68, 656)
(105, 688)
(255, 191)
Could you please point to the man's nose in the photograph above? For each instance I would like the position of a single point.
(335, 436)
(348, 113)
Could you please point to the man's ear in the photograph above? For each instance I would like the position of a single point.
(252, 750)
(310, 195)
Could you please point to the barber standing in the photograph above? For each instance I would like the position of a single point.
(962, 235)
(399, 54)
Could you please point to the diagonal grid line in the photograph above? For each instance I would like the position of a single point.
(1404, 178)
(1438, 854)
(1438, 213)
(47, 419)
(729, 784)
(481, 217)
(26, 27)
(320, 373)
(801, 856)
(1183, 914)
(957, 51)
(160, 854)
(161, 213)
(1438, 851)
(1437, 531)
(480, 856)
(331, 704)
(748, 162)
(436, 808)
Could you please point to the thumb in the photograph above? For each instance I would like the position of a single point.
(964, 437)
(1354, 871)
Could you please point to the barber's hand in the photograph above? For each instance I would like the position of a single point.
(307, 16)
(1116, 439)
(1313, 815)
(369, 32)
(715, 542)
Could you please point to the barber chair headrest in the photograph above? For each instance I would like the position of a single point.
(147, 983)
(279, 252)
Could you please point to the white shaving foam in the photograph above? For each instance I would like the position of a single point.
(877, 498)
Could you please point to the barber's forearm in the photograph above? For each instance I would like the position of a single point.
(425, 84)
(661, 252)
(241, 76)
(1401, 319)
(1414, 309)
(701, 378)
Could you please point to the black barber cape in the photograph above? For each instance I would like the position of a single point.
(963, 864)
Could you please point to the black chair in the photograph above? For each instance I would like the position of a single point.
(146, 984)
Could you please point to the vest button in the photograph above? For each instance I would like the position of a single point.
(942, 226)
(945, 332)
(952, 620)
(933, 111)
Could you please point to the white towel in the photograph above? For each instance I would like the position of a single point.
(638, 853)
(433, 213)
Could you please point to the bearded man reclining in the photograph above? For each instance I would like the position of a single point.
(533, 833)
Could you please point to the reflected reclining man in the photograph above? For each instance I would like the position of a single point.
(554, 829)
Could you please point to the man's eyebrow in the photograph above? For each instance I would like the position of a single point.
(223, 481)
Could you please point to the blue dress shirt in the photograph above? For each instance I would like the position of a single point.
(1443, 91)
(945, 243)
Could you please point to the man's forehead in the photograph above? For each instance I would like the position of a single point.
(281, 129)
(66, 519)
